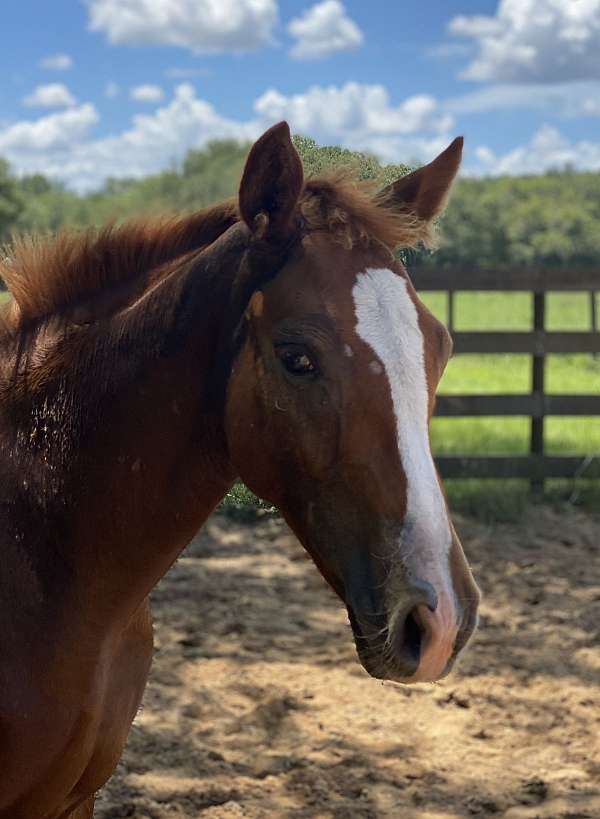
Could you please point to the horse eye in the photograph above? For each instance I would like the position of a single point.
(297, 362)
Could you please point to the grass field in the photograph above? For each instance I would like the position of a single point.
(512, 374)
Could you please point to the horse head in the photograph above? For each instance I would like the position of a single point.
(331, 394)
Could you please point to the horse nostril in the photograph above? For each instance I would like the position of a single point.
(411, 638)
(413, 634)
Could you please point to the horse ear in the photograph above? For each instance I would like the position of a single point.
(271, 184)
(426, 190)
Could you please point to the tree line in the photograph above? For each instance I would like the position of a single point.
(548, 220)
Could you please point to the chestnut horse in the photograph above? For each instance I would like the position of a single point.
(143, 369)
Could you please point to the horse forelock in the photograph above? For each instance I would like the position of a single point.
(354, 213)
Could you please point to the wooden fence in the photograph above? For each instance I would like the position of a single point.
(537, 343)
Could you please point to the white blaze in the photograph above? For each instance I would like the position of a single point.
(387, 321)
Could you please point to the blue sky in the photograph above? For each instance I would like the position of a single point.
(97, 88)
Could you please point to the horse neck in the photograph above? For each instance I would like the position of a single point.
(140, 456)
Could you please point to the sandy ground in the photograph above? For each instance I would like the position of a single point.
(257, 706)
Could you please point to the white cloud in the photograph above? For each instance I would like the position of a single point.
(147, 93)
(591, 106)
(199, 25)
(30, 142)
(547, 149)
(360, 116)
(178, 73)
(324, 29)
(57, 62)
(53, 95)
(534, 41)
(569, 99)
(60, 147)
(112, 89)
(357, 116)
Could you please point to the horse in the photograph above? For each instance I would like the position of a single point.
(144, 368)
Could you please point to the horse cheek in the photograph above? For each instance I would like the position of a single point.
(247, 424)
(317, 435)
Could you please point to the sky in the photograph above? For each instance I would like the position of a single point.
(123, 88)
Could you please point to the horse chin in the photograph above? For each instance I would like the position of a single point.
(374, 666)
(385, 669)
(370, 652)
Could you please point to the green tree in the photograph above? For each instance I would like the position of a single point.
(11, 201)
(317, 159)
(547, 220)
(550, 220)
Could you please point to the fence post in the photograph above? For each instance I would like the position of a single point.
(451, 311)
(594, 314)
(537, 387)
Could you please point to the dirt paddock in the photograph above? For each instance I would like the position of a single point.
(257, 706)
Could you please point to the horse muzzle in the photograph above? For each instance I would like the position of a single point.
(421, 638)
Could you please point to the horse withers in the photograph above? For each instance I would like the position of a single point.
(143, 369)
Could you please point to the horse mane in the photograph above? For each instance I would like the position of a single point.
(47, 274)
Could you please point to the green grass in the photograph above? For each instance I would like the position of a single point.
(512, 374)
(4, 296)
(242, 504)
(512, 311)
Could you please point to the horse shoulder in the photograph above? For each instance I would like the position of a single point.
(82, 699)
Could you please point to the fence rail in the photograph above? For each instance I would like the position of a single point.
(533, 467)
(533, 405)
(529, 280)
(538, 343)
